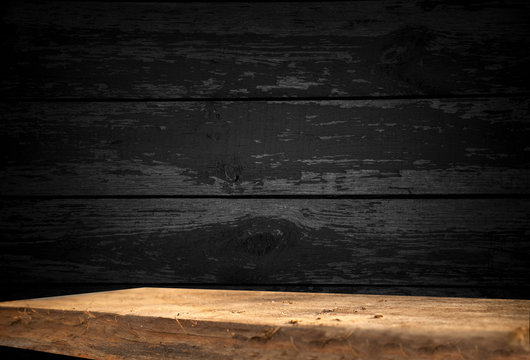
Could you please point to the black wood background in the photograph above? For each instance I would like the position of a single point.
(349, 146)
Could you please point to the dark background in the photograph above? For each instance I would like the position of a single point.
(378, 147)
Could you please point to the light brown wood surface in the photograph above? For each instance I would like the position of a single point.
(187, 323)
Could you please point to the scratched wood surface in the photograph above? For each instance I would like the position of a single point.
(268, 241)
(173, 50)
(442, 146)
(144, 323)
(16, 291)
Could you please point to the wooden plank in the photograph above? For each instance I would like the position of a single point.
(14, 291)
(293, 147)
(360, 48)
(267, 241)
(146, 323)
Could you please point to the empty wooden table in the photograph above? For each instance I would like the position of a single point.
(167, 323)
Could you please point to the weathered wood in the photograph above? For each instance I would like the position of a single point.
(268, 241)
(148, 323)
(358, 48)
(26, 290)
(292, 147)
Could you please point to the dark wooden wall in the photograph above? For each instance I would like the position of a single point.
(349, 146)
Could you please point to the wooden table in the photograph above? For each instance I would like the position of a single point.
(145, 323)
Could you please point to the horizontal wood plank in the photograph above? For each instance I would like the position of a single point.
(26, 290)
(147, 323)
(267, 241)
(244, 148)
(172, 50)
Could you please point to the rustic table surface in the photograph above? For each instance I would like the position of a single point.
(143, 323)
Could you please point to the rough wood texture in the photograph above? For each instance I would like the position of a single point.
(25, 290)
(359, 48)
(204, 324)
(292, 147)
(393, 242)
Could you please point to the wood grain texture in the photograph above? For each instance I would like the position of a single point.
(360, 48)
(15, 291)
(243, 148)
(147, 323)
(393, 242)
